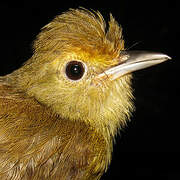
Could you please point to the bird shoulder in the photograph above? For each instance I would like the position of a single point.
(36, 143)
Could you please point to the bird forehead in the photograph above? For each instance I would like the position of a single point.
(96, 57)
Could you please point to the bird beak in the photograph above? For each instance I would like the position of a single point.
(131, 61)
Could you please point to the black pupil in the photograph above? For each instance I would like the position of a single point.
(74, 70)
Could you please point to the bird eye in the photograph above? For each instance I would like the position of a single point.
(74, 70)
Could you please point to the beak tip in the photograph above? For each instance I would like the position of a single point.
(168, 57)
(163, 57)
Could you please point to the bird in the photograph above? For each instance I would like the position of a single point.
(61, 110)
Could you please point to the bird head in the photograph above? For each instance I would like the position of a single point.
(82, 71)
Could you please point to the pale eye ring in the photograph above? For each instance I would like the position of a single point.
(74, 70)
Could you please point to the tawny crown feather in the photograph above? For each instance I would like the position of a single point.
(82, 29)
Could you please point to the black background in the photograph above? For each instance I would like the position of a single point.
(149, 147)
